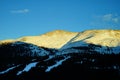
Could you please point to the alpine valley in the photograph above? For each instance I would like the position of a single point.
(62, 55)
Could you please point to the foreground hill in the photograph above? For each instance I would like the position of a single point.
(25, 61)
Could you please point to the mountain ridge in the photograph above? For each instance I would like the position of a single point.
(58, 38)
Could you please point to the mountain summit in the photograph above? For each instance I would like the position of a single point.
(58, 38)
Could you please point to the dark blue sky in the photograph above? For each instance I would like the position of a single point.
(34, 17)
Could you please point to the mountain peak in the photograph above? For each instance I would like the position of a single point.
(58, 32)
(59, 38)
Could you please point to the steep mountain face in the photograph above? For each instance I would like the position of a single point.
(58, 38)
(92, 54)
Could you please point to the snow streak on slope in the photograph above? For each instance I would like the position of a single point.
(57, 64)
(28, 67)
(11, 68)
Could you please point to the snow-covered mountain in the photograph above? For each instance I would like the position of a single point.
(108, 40)
(58, 38)
(93, 54)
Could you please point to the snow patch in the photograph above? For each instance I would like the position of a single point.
(56, 65)
(7, 70)
(50, 57)
(28, 67)
(38, 51)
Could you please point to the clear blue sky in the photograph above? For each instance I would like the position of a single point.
(34, 17)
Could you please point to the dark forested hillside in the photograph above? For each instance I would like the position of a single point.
(23, 61)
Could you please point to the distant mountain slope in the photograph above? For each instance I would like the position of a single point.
(58, 38)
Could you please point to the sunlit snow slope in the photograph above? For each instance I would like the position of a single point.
(58, 38)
